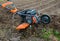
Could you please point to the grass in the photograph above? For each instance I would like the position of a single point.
(57, 34)
(46, 34)
(1, 0)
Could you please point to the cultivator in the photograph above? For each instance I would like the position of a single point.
(29, 16)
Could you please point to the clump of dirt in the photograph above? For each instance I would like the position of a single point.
(55, 22)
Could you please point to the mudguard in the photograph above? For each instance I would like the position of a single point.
(22, 26)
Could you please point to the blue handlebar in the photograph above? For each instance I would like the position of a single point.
(19, 13)
(0, 5)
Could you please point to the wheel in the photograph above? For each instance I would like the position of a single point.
(45, 19)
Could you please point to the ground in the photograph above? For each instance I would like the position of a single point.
(8, 24)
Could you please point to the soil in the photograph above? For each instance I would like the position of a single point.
(8, 24)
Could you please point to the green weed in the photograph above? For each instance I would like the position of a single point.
(46, 34)
(57, 34)
(1, 0)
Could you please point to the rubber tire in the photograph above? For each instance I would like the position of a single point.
(43, 17)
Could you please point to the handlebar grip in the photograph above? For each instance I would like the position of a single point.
(13, 10)
(0, 4)
(7, 3)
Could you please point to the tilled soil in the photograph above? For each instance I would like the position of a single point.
(8, 24)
